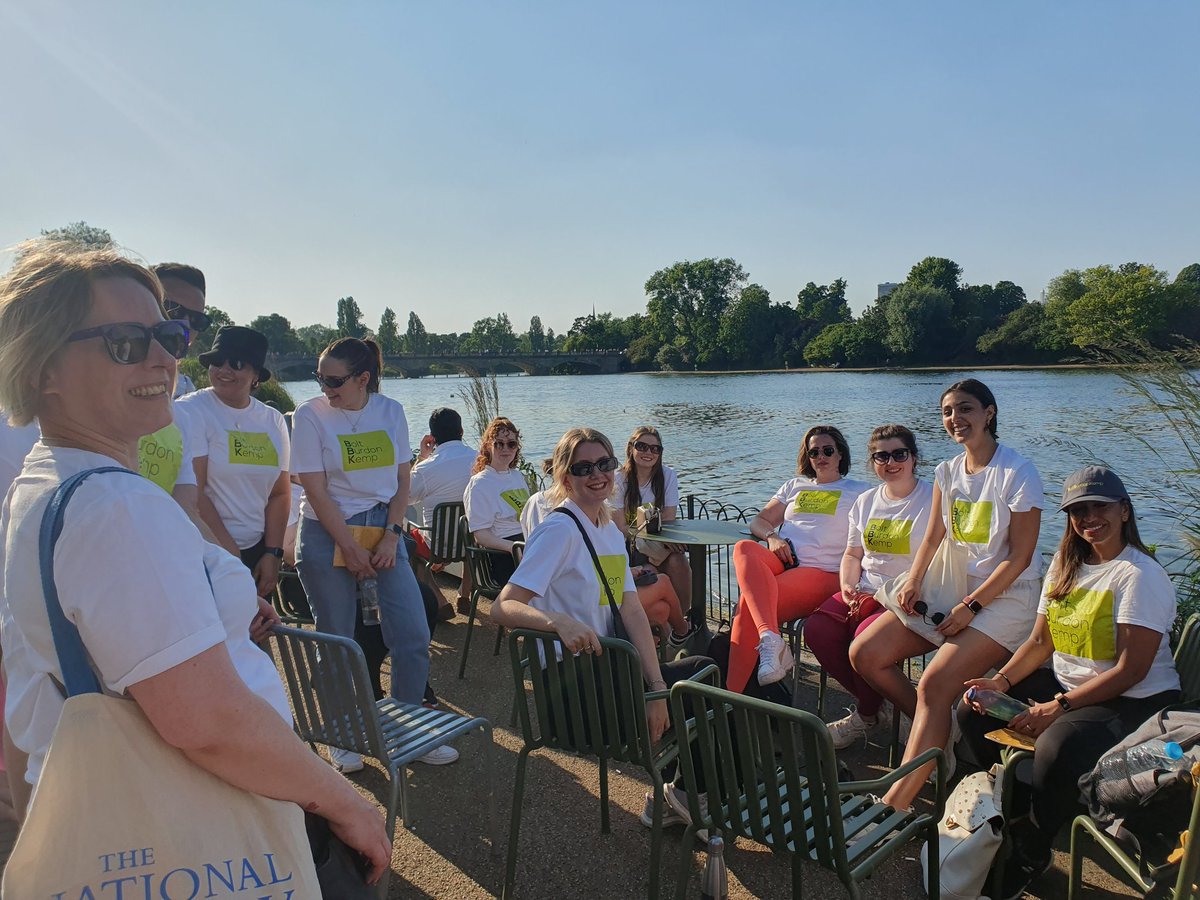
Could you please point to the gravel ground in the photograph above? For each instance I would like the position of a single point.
(448, 851)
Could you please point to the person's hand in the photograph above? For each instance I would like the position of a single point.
(578, 638)
(1037, 718)
(427, 447)
(852, 597)
(956, 620)
(266, 574)
(780, 548)
(264, 621)
(909, 594)
(658, 719)
(358, 561)
(362, 829)
(384, 555)
(982, 684)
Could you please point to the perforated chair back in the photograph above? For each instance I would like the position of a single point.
(1187, 659)
(445, 538)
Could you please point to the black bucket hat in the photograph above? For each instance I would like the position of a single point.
(239, 343)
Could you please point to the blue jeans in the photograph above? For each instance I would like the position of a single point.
(332, 594)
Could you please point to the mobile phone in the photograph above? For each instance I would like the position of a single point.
(795, 559)
(646, 578)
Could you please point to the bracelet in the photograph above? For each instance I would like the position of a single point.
(1006, 678)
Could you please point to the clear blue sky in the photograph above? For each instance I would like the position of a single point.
(463, 159)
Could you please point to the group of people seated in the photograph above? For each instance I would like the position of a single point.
(167, 578)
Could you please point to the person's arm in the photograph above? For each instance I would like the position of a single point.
(669, 513)
(384, 555)
(850, 573)
(208, 512)
(204, 709)
(911, 592)
(487, 537)
(1030, 656)
(512, 610)
(637, 626)
(316, 491)
(279, 504)
(186, 496)
(765, 527)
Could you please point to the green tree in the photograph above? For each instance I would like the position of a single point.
(537, 336)
(936, 272)
(918, 322)
(82, 235)
(854, 344)
(756, 333)
(278, 331)
(202, 342)
(1027, 335)
(416, 339)
(687, 301)
(1133, 302)
(389, 332)
(490, 335)
(349, 319)
(315, 338)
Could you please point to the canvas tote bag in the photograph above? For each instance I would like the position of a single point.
(119, 812)
(969, 836)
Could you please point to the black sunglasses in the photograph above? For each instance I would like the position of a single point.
(333, 382)
(236, 364)
(506, 445)
(643, 447)
(921, 608)
(198, 320)
(128, 343)
(818, 451)
(882, 457)
(584, 469)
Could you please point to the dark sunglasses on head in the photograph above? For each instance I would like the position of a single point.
(643, 447)
(883, 456)
(921, 608)
(333, 382)
(814, 452)
(198, 320)
(236, 364)
(128, 343)
(506, 445)
(584, 469)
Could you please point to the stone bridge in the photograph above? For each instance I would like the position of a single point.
(414, 365)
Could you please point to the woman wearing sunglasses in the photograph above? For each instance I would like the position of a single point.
(804, 526)
(989, 505)
(887, 525)
(350, 449)
(496, 495)
(241, 461)
(166, 618)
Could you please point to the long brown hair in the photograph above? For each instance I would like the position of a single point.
(497, 425)
(658, 481)
(804, 465)
(1073, 552)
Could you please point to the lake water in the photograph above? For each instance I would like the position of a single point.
(735, 437)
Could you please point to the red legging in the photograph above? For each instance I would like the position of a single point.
(770, 595)
(829, 632)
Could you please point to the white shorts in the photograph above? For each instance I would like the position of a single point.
(1008, 619)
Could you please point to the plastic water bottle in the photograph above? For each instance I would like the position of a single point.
(1144, 757)
(715, 884)
(997, 704)
(368, 601)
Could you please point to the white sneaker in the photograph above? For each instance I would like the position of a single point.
(677, 804)
(669, 816)
(774, 658)
(346, 761)
(439, 756)
(849, 730)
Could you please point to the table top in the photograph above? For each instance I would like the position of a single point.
(709, 532)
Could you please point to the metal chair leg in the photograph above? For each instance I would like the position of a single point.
(1075, 880)
(514, 828)
(462, 666)
(604, 818)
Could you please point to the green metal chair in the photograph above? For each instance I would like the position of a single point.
(333, 704)
(483, 584)
(290, 601)
(1145, 874)
(592, 705)
(445, 538)
(771, 776)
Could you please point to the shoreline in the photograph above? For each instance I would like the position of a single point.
(1010, 367)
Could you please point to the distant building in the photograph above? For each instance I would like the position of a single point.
(884, 289)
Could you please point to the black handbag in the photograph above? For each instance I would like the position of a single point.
(618, 625)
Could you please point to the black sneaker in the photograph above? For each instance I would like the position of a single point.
(430, 700)
(1020, 872)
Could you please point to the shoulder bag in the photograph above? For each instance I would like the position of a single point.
(613, 607)
(119, 809)
(969, 836)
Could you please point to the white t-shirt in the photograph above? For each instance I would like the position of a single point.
(15, 444)
(889, 532)
(559, 570)
(816, 518)
(670, 490)
(246, 450)
(145, 590)
(537, 507)
(165, 457)
(1132, 589)
(442, 478)
(495, 499)
(359, 452)
(981, 506)
(183, 385)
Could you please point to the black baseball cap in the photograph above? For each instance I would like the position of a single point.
(1093, 483)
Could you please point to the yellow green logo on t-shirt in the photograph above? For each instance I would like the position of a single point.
(888, 536)
(252, 448)
(160, 456)
(369, 450)
(817, 503)
(614, 566)
(516, 498)
(1081, 624)
(972, 521)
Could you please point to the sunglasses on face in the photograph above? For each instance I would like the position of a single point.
(506, 445)
(814, 452)
(198, 320)
(236, 364)
(643, 447)
(584, 469)
(333, 382)
(128, 343)
(883, 457)
(921, 608)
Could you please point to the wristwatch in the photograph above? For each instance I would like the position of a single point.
(972, 604)
(396, 530)
(277, 552)
(1063, 701)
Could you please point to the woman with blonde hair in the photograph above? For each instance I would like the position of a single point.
(496, 494)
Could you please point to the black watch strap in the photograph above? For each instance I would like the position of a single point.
(396, 529)
(1063, 701)
(277, 552)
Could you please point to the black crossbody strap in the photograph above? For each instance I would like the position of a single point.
(612, 603)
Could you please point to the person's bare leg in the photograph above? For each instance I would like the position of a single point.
(966, 655)
(676, 567)
(875, 655)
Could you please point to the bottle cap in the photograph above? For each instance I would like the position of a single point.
(1173, 750)
(971, 693)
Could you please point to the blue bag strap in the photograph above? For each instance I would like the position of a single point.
(78, 677)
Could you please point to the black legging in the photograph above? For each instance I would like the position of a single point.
(1066, 750)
